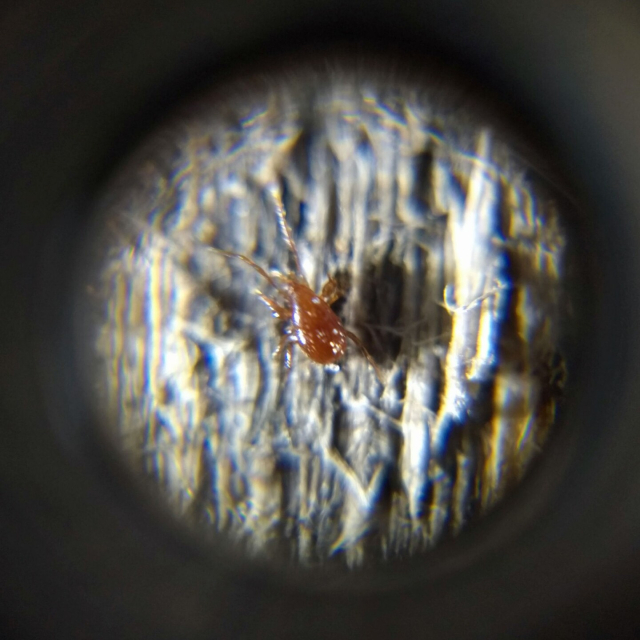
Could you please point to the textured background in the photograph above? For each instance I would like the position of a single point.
(449, 242)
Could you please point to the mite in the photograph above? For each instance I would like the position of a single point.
(308, 318)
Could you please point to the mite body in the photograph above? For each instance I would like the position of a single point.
(315, 326)
(308, 318)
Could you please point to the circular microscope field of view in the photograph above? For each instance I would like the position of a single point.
(328, 311)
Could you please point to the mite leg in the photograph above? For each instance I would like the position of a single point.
(288, 354)
(367, 355)
(286, 231)
(251, 263)
(286, 344)
(331, 291)
(279, 312)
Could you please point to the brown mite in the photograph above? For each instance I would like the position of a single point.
(309, 320)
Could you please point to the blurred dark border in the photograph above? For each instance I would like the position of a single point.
(80, 83)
